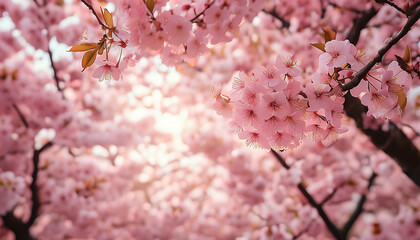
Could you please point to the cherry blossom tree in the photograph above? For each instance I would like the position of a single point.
(210, 119)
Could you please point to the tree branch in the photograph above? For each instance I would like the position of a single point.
(202, 12)
(337, 233)
(57, 80)
(16, 225)
(345, 8)
(331, 227)
(378, 58)
(37, 3)
(360, 23)
(326, 199)
(94, 13)
(34, 188)
(359, 208)
(393, 142)
(22, 118)
(392, 5)
(273, 13)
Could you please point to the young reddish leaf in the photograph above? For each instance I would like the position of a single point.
(403, 64)
(83, 47)
(407, 54)
(320, 46)
(3, 75)
(88, 59)
(14, 74)
(108, 18)
(150, 5)
(408, 10)
(402, 98)
(101, 49)
(329, 34)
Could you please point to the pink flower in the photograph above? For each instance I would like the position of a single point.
(107, 71)
(270, 76)
(288, 66)
(254, 138)
(177, 29)
(273, 104)
(282, 140)
(337, 53)
(378, 102)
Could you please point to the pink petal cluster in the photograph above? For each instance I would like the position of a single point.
(271, 108)
(107, 71)
(11, 189)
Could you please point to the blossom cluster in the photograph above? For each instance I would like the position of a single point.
(272, 109)
(180, 30)
(274, 106)
(11, 189)
(383, 90)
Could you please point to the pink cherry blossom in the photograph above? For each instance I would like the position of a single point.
(107, 71)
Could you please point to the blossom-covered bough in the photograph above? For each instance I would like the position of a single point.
(146, 158)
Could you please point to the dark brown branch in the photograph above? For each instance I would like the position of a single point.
(94, 13)
(327, 198)
(16, 225)
(301, 233)
(393, 142)
(21, 116)
(337, 233)
(57, 80)
(37, 3)
(273, 13)
(323, 8)
(360, 23)
(392, 5)
(202, 12)
(345, 8)
(331, 227)
(54, 69)
(378, 58)
(359, 208)
(34, 188)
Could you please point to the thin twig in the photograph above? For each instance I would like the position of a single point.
(57, 80)
(392, 5)
(202, 12)
(337, 233)
(94, 13)
(37, 3)
(327, 198)
(323, 9)
(378, 58)
(331, 227)
(335, 5)
(273, 13)
(295, 237)
(54, 69)
(21, 116)
(359, 208)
